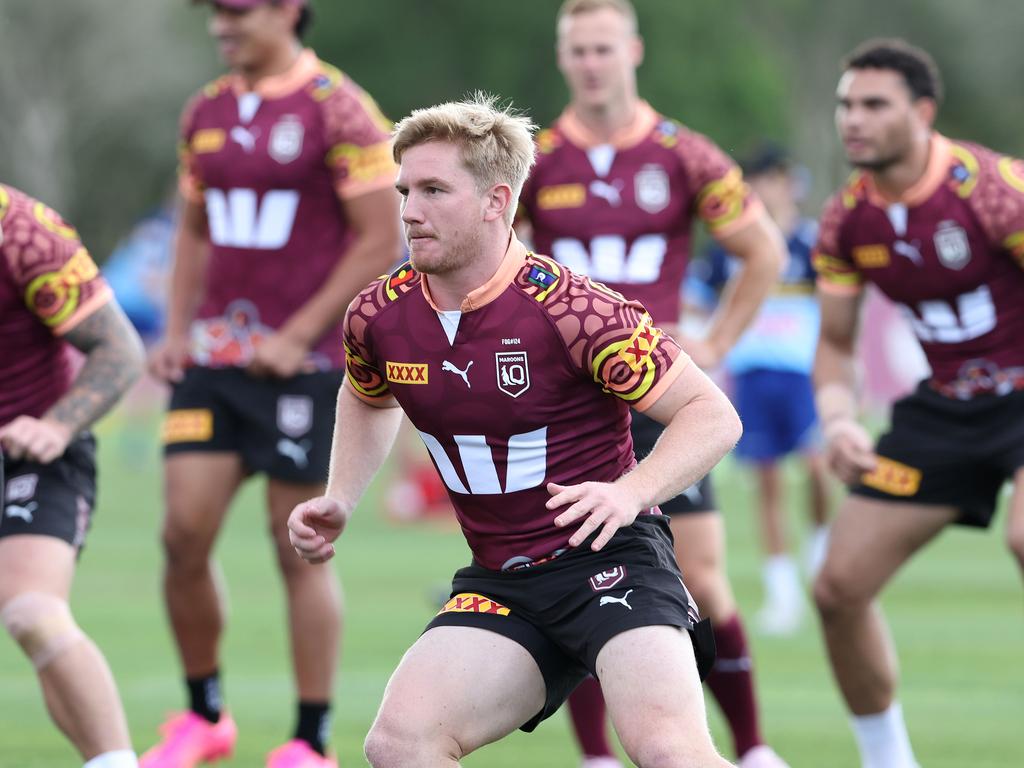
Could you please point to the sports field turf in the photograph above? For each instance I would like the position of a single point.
(956, 613)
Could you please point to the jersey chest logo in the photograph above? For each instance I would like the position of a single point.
(952, 245)
(513, 372)
(651, 188)
(285, 142)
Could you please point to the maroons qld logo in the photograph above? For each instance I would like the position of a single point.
(513, 372)
(607, 579)
(286, 139)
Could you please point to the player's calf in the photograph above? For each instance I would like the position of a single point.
(42, 625)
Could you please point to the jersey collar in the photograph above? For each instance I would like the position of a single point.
(304, 69)
(515, 257)
(643, 123)
(940, 155)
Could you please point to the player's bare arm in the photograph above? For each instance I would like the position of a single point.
(191, 251)
(762, 251)
(701, 426)
(377, 246)
(849, 447)
(113, 362)
(363, 436)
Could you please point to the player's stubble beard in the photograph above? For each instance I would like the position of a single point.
(894, 151)
(463, 249)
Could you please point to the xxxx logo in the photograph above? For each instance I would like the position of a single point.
(641, 344)
(469, 602)
(407, 373)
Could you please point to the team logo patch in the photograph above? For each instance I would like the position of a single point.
(188, 425)
(893, 478)
(641, 344)
(651, 188)
(513, 371)
(286, 139)
(54, 296)
(607, 579)
(470, 602)
(541, 277)
(22, 487)
(407, 373)
(294, 414)
(208, 140)
(561, 196)
(952, 245)
(871, 256)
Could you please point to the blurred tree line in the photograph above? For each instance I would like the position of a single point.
(90, 91)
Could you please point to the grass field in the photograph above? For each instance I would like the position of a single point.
(956, 613)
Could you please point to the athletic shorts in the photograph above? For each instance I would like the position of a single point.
(564, 610)
(55, 499)
(777, 411)
(949, 452)
(696, 498)
(281, 427)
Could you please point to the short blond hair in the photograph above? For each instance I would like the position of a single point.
(496, 143)
(576, 7)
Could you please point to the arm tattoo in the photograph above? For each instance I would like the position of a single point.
(113, 362)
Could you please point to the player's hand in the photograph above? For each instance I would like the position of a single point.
(603, 505)
(280, 356)
(39, 440)
(849, 449)
(702, 352)
(167, 360)
(314, 525)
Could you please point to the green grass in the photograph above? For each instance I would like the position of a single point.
(956, 614)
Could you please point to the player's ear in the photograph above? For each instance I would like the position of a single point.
(497, 202)
(637, 49)
(926, 110)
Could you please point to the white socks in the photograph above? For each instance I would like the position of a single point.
(782, 585)
(122, 758)
(883, 739)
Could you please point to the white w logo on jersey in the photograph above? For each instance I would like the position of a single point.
(238, 219)
(526, 465)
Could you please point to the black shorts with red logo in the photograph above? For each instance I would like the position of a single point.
(697, 498)
(281, 427)
(563, 611)
(55, 499)
(949, 452)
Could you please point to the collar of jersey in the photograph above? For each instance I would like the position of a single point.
(515, 257)
(304, 69)
(629, 136)
(940, 154)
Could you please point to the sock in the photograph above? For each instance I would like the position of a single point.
(314, 726)
(815, 549)
(204, 695)
(731, 680)
(883, 739)
(781, 581)
(587, 708)
(121, 758)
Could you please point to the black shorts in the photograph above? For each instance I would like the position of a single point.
(696, 498)
(55, 499)
(563, 611)
(949, 452)
(281, 427)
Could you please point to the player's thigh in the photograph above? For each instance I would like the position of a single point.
(460, 683)
(650, 682)
(33, 563)
(198, 489)
(870, 539)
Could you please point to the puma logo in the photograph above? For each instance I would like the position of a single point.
(24, 512)
(244, 138)
(610, 192)
(297, 452)
(450, 367)
(909, 251)
(608, 599)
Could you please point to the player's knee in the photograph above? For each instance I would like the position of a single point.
(834, 593)
(390, 744)
(42, 625)
(183, 546)
(665, 750)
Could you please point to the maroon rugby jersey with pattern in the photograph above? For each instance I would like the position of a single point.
(273, 167)
(534, 387)
(950, 252)
(48, 285)
(622, 212)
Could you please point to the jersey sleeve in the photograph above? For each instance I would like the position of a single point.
(190, 142)
(998, 201)
(358, 142)
(54, 273)
(722, 199)
(837, 274)
(363, 371)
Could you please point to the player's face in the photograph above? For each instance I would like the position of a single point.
(442, 210)
(876, 117)
(598, 53)
(247, 37)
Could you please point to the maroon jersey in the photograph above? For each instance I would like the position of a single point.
(950, 253)
(274, 167)
(48, 285)
(623, 212)
(532, 386)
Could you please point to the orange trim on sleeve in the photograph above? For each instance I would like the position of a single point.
(826, 286)
(741, 222)
(643, 123)
(678, 366)
(100, 299)
(348, 190)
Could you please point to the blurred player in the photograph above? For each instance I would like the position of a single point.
(52, 298)
(938, 226)
(770, 369)
(288, 212)
(614, 195)
(518, 375)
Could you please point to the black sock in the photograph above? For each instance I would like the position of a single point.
(314, 724)
(204, 695)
